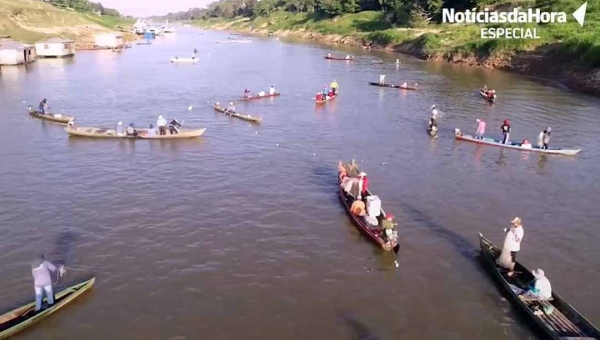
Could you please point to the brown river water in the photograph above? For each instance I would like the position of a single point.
(240, 234)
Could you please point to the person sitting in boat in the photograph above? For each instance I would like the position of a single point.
(272, 90)
(43, 107)
(247, 93)
(387, 222)
(480, 129)
(334, 86)
(161, 123)
(131, 130)
(120, 130)
(352, 169)
(261, 94)
(491, 94)
(526, 144)
(151, 131)
(324, 92)
(358, 208)
(174, 127)
(328, 55)
(363, 185)
(231, 107)
(347, 57)
(505, 128)
(415, 86)
(397, 61)
(404, 85)
(319, 96)
(42, 282)
(330, 94)
(544, 138)
(381, 79)
(540, 288)
(484, 89)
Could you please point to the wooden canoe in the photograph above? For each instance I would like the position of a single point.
(238, 114)
(514, 145)
(338, 58)
(485, 96)
(276, 94)
(183, 60)
(93, 132)
(564, 322)
(18, 319)
(384, 85)
(54, 118)
(407, 88)
(183, 133)
(373, 234)
(326, 100)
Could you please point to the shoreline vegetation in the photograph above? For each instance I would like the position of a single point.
(28, 21)
(564, 52)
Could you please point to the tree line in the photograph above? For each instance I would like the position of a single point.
(86, 6)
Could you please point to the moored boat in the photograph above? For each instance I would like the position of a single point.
(184, 60)
(50, 117)
(18, 319)
(555, 317)
(484, 95)
(513, 145)
(276, 94)
(374, 233)
(338, 58)
(237, 114)
(326, 99)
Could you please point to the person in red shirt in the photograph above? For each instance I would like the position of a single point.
(319, 96)
(330, 94)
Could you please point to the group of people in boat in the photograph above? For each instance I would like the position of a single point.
(543, 137)
(490, 93)
(347, 57)
(403, 85)
(328, 93)
(248, 93)
(355, 185)
(160, 129)
(539, 288)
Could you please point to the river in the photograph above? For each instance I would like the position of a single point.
(240, 234)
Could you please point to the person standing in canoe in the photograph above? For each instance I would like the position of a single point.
(247, 93)
(42, 282)
(328, 55)
(434, 115)
(324, 92)
(505, 131)
(512, 245)
(231, 107)
(174, 127)
(43, 107)
(334, 87)
(272, 90)
(363, 185)
(480, 129)
(161, 124)
(120, 130)
(151, 131)
(544, 138)
(131, 130)
(381, 79)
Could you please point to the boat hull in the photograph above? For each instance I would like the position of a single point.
(562, 323)
(276, 94)
(60, 119)
(490, 100)
(184, 60)
(21, 318)
(325, 100)
(515, 146)
(340, 59)
(238, 115)
(101, 133)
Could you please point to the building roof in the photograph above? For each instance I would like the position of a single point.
(9, 44)
(56, 40)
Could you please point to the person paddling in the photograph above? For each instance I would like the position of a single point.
(42, 282)
(544, 138)
(505, 131)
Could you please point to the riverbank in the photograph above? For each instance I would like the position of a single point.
(570, 63)
(31, 21)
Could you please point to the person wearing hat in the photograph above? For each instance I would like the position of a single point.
(40, 269)
(131, 130)
(334, 87)
(512, 241)
(161, 124)
(480, 129)
(363, 185)
(505, 128)
(544, 138)
(540, 288)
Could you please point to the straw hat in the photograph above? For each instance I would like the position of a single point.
(516, 221)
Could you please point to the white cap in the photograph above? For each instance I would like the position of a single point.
(120, 123)
(538, 273)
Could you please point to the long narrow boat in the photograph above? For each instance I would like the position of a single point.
(373, 234)
(396, 86)
(326, 99)
(54, 118)
(555, 318)
(514, 145)
(485, 96)
(18, 319)
(237, 114)
(338, 58)
(276, 94)
(184, 60)
(93, 132)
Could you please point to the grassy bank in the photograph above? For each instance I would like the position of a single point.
(29, 21)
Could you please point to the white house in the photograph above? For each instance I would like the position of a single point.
(109, 40)
(14, 53)
(55, 48)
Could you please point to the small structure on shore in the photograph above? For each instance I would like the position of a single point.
(15, 53)
(109, 40)
(55, 48)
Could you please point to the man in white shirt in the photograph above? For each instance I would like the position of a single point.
(540, 288)
(512, 241)
(272, 90)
